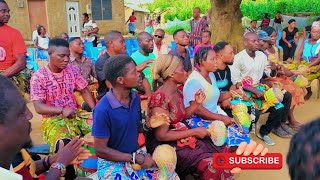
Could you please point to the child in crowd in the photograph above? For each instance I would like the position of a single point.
(206, 41)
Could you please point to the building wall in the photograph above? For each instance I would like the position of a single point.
(57, 20)
(140, 18)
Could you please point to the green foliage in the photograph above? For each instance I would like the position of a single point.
(180, 9)
(172, 29)
(256, 9)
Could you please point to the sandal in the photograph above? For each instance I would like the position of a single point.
(281, 133)
(288, 129)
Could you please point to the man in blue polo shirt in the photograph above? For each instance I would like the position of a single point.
(116, 123)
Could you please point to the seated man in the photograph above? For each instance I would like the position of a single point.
(52, 90)
(15, 126)
(116, 123)
(254, 64)
(86, 68)
(159, 47)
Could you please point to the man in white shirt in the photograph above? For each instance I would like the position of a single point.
(159, 47)
(252, 63)
(35, 33)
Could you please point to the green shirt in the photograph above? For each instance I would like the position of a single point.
(140, 58)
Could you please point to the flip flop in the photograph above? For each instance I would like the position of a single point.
(288, 129)
(281, 133)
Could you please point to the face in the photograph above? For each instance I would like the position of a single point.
(65, 37)
(293, 24)
(315, 33)
(158, 37)
(196, 13)
(84, 18)
(205, 37)
(226, 55)
(17, 126)
(211, 63)
(252, 43)
(254, 24)
(146, 43)
(43, 30)
(182, 38)
(77, 46)
(132, 77)
(263, 45)
(4, 13)
(59, 57)
(179, 74)
(118, 45)
(274, 37)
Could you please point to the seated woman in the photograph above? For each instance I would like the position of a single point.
(284, 77)
(309, 54)
(41, 43)
(195, 154)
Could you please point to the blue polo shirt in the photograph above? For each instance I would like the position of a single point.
(119, 123)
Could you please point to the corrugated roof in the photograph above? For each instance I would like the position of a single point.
(136, 8)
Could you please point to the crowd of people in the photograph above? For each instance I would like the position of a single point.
(185, 97)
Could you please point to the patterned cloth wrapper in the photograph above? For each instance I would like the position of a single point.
(123, 170)
(234, 137)
(189, 141)
(307, 74)
(22, 80)
(58, 127)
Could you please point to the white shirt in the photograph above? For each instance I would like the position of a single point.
(9, 175)
(244, 65)
(43, 42)
(163, 50)
(34, 35)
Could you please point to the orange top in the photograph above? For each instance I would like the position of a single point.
(11, 44)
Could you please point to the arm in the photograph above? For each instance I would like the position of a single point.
(315, 62)
(224, 96)
(39, 165)
(206, 114)
(44, 109)
(87, 96)
(17, 67)
(304, 33)
(284, 34)
(146, 87)
(298, 56)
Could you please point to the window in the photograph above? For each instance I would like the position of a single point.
(101, 9)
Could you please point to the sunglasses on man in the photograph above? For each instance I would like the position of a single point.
(158, 36)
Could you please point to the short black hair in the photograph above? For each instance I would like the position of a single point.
(209, 32)
(73, 38)
(111, 35)
(220, 46)
(318, 19)
(202, 55)
(57, 42)
(291, 21)
(116, 67)
(269, 30)
(3, 1)
(253, 21)
(177, 31)
(39, 29)
(304, 150)
(6, 85)
(85, 15)
(279, 12)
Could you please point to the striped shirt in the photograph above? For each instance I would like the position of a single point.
(196, 28)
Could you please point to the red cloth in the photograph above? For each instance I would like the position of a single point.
(132, 19)
(24, 172)
(11, 44)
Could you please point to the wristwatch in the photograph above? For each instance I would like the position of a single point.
(60, 167)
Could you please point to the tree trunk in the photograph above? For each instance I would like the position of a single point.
(226, 22)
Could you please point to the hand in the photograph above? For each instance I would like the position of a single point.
(145, 161)
(69, 113)
(199, 97)
(226, 119)
(247, 149)
(289, 45)
(226, 104)
(143, 65)
(158, 120)
(200, 132)
(70, 152)
(259, 94)
(273, 66)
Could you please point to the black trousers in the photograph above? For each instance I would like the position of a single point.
(277, 116)
(288, 52)
(257, 113)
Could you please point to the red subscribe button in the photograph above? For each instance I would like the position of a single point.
(231, 160)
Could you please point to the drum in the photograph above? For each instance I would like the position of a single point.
(89, 166)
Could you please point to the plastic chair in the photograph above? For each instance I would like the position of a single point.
(32, 65)
(173, 45)
(95, 53)
(30, 54)
(103, 43)
(134, 43)
(278, 40)
(191, 52)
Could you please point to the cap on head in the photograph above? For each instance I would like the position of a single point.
(263, 35)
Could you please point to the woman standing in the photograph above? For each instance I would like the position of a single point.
(90, 29)
(287, 41)
(132, 23)
(277, 22)
(42, 42)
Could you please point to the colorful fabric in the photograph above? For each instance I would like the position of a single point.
(58, 127)
(56, 89)
(42, 54)
(11, 44)
(132, 26)
(22, 80)
(197, 47)
(139, 59)
(310, 76)
(85, 67)
(207, 172)
(310, 51)
(149, 30)
(196, 82)
(92, 88)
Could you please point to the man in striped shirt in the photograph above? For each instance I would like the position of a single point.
(198, 25)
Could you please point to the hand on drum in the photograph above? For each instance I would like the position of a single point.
(72, 153)
(247, 149)
(200, 96)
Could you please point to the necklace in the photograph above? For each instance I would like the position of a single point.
(225, 75)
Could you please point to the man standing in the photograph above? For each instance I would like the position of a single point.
(198, 25)
(145, 53)
(159, 47)
(182, 40)
(12, 51)
(252, 63)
